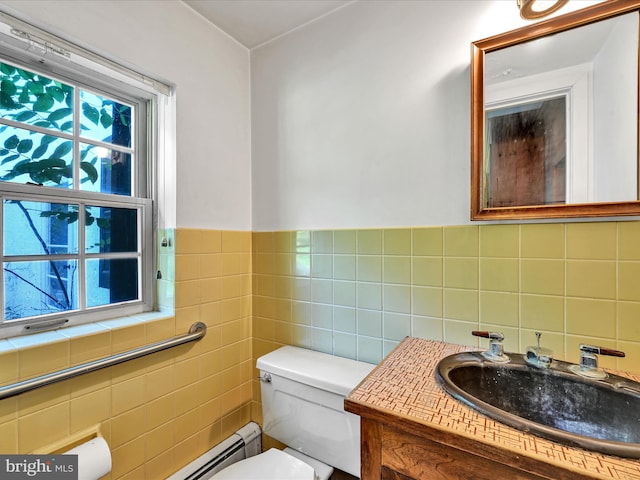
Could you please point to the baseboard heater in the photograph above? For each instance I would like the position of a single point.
(242, 444)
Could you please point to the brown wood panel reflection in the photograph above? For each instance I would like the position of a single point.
(517, 172)
(527, 156)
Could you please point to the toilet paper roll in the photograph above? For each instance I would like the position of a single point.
(94, 459)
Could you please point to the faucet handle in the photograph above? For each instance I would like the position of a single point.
(491, 335)
(496, 350)
(589, 361)
(601, 350)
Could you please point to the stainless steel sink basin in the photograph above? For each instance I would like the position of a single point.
(554, 403)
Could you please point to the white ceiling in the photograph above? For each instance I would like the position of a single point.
(254, 22)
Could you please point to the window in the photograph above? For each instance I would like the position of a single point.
(527, 151)
(75, 192)
(562, 102)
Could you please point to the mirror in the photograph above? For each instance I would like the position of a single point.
(554, 117)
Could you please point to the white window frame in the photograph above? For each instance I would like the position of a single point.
(25, 45)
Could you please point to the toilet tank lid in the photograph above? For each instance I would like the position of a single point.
(321, 370)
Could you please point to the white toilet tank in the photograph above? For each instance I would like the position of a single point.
(303, 404)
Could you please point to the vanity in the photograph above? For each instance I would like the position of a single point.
(411, 429)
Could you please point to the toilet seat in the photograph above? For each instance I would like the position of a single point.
(273, 464)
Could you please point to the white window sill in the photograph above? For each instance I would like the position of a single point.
(44, 338)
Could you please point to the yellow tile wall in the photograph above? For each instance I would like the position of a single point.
(357, 293)
(354, 293)
(161, 411)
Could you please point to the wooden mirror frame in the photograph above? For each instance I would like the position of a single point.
(551, 26)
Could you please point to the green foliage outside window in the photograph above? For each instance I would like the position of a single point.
(37, 147)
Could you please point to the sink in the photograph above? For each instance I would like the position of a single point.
(554, 403)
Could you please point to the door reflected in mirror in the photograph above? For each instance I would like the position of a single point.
(555, 117)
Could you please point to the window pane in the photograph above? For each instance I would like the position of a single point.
(27, 156)
(110, 229)
(37, 228)
(527, 153)
(104, 119)
(39, 288)
(34, 99)
(111, 281)
(104, 170)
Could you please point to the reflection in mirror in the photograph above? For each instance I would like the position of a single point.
(526, 153)
(557, 132)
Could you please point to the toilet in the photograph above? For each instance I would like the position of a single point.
(303, 395)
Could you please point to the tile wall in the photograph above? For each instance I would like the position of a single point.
(353, 293)
(357, 293)
(161, 411)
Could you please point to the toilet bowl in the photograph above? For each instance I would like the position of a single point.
(273, 464)
(303, 395)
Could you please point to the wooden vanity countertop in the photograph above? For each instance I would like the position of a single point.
(403, 388)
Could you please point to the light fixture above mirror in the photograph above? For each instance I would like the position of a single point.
(528, 9)
(554, 117)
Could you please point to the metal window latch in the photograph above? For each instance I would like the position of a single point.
(46, 325)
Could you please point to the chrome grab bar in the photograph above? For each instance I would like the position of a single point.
(196, 332)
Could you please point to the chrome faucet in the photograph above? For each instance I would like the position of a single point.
(538, 356)
(589, 361)
(495, 353)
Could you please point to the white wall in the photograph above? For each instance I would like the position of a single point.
(212, 184)
(361, 119)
